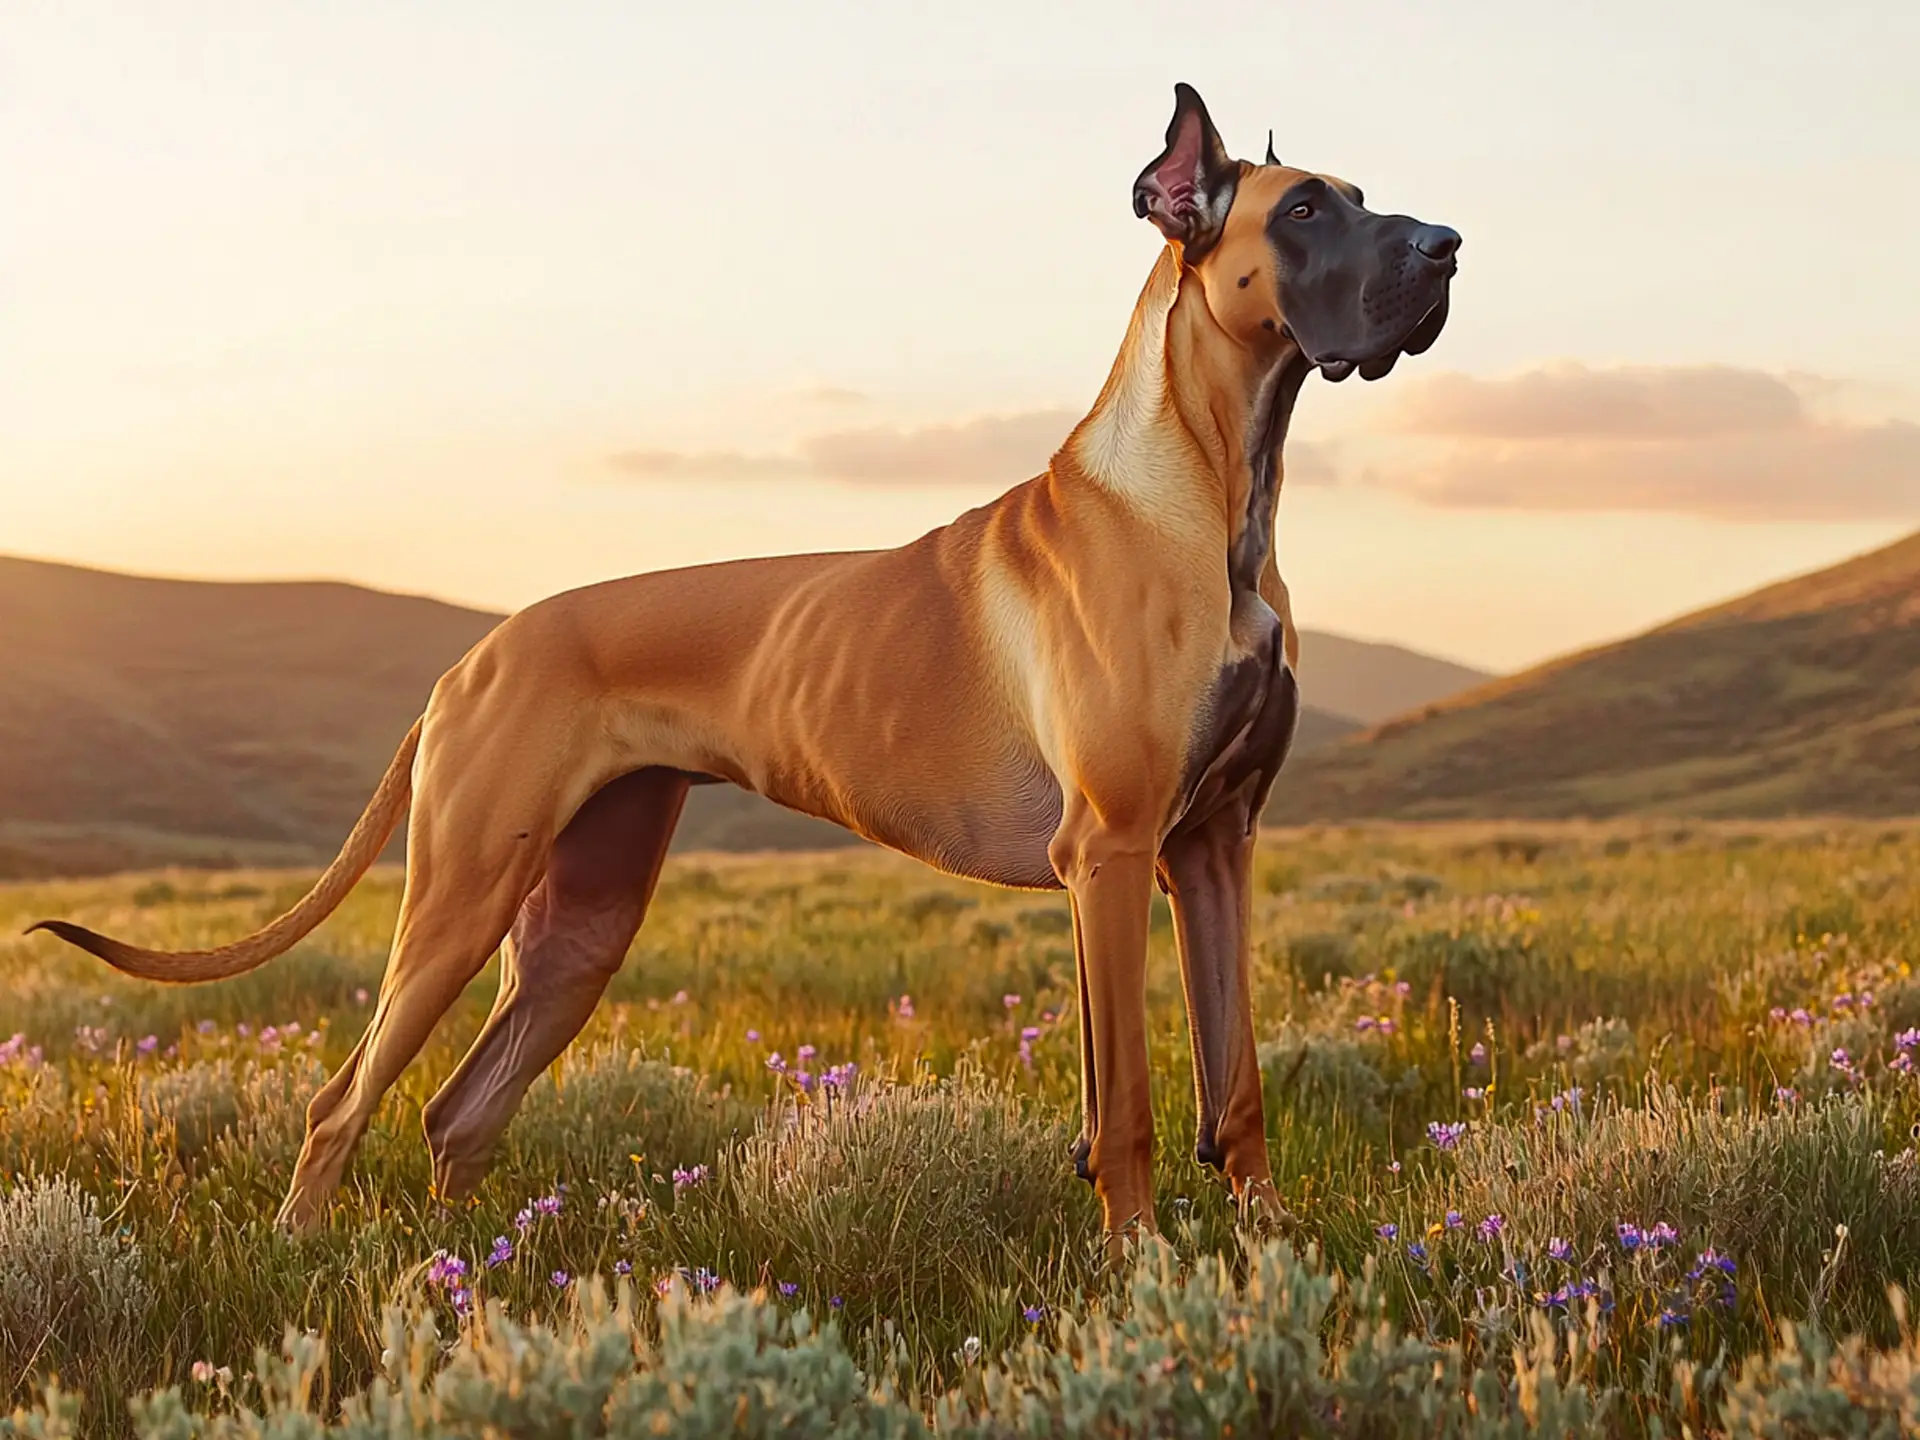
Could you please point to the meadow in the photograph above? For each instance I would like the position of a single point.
(1582, 1128)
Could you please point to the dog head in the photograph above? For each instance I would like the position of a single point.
(1291, 255)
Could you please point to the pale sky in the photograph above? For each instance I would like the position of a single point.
(489, 300)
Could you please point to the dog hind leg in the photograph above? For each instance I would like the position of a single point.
(568, 942)
(473, 854)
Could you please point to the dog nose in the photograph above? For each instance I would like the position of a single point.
(1436, 242)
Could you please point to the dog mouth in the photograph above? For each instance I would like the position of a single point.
(1417, 341)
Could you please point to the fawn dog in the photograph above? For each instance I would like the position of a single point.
(1086, 684)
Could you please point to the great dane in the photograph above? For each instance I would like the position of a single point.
(1086, 684)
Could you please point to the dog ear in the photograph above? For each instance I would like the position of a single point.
(1189, 189)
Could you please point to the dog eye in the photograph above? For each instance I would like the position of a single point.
(1300, 211)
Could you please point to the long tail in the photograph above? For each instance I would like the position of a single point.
(184, 967)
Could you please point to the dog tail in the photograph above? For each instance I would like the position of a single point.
(185, 967)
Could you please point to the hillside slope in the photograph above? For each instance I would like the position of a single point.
(147, 721)
(1801, 698)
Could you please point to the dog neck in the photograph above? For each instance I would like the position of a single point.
(1188, 429)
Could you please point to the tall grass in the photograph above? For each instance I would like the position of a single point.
(1701, 1029)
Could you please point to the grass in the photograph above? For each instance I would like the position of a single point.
(1632, 1025)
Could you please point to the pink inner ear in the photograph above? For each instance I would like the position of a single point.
(1176, 174)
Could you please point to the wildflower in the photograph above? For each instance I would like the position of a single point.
(776, 1063)
(1672, 1316)
(360, 996)
(1843, 1002)
(1385, 1022)
(203, 1372)
(1662, 1234)
(292, 1027)
(1548, 1299)
(560, 1279)
(663, 1287)
(705, 1280)
(805, 1053)
(1473, 1092)
(1454, 1222)
(1907, 1040)
(1903, 1062)
(679, 998)
(1559, 1249)
(623, 1267)
(462, 1301)
(270, 1039)
(753, 1037)
(970, 1348)
(1393, 1167)
(446, 1269)
(1785, 1095)
(1777, 1014)
(547, 1205)
(1030, 1033)
(205, 1027)
(1047, 1017)
(1445, 1134)
(1630, 1237)
(1364, 1022)
(836, 1302)
(1389, 1231)
(687, 1179)
(1491, 1227)
(1032, 1314)
(1563, 1043)
(313, 1039)
(1417, 1252)
(523, 1219)
(804, 1079)
(1840, 1060)
(1478, 1054)
(903, 1007)
(1799, 1016)
(243, 1029)
(147, 1044)
(789, 1289)
(1402, 988)
(839, 1077)
(501, 1253)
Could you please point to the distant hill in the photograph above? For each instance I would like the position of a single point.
(1802, 698)
(147, 722)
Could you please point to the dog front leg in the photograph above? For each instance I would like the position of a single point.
(1206, 870)
(1109, 878)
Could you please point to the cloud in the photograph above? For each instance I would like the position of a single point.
(1715, 441)
(993, 449)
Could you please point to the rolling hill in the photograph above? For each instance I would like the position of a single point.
(1801, 698)
(147, 721)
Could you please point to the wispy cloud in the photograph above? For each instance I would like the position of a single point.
(992, 449)
(1715, 441)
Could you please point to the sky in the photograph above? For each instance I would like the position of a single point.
(489, 300)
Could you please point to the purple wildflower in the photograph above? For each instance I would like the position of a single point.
(1559, 1249)
(462, 1299)
(805, 1053)
(147, 1044)
(837, 1303)
(1417, 1253)
(1630, 1237)
(1478, 1054)
(705, 1280)
(1907, 1040)
(1454, 1220)
(1388, 1231)
(1445, 1134)
(776, 1064)
(1661, 1235)
(524, 1219)
(753, 1037)
(560, 1279)
(501, 1253)
(1010, 1000)
(1033, 1314)
(903, 1007)
(1491, 1227)
(789, 1289)
(687, 1179)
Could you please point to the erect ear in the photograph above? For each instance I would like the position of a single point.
(1189, 189)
